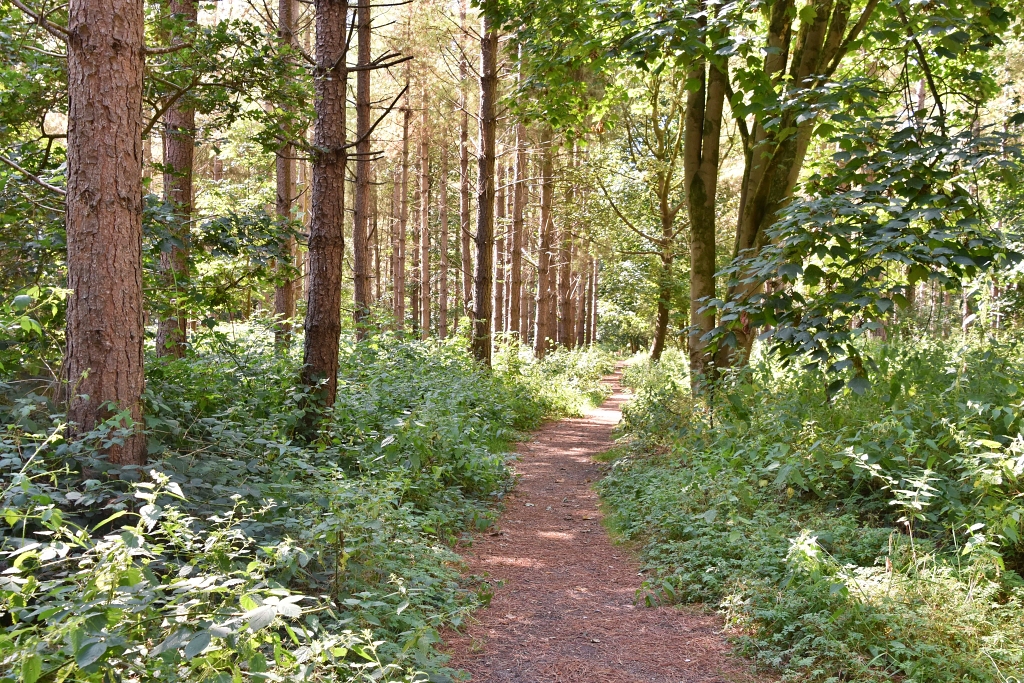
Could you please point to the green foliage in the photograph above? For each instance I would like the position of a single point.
(867, 537)
(238, 554)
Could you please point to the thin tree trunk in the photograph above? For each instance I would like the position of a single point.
(564, 264)
(485, 189)
(103, 364)
(581, 301)
(403, 214)
(327, 220)
(465, 235)
(284, 292)
(542, 329)
(179, 150)
(425, 215)
(361, 214)
(499, 255)
(442, 294)
(375, 235)
(593, 300)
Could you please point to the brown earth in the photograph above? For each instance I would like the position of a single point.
(564, 611)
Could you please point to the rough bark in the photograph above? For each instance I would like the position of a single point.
(485, 190)
(442, 286)
(515, 305)
(179, 150)
(326, 229)
(361, 214)
(285, 166)
(542, 328)
(498, 324)
(464, 209)
(403, 215)
(103, 362)
(425, 216)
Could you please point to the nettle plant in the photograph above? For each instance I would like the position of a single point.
(149, 593)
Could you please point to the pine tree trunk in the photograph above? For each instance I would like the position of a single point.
(327, 220)
(464, 232)
(104, 357)
(403, 215)
(179, 150)
(284, 292)
(541, 329)
(499, 256)
(425, 216)
(442, 287)
(581, 301)
(361, 214)
(374, 246)
(564, 270)
(485, 190)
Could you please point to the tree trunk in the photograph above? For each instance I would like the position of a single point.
(581, 301)
(425, 216)
(665, 289)
(701, 145)
(593, 299)
(515, 304)
(104, 356)
(485, 189)
(564, 270)
(327, 220)
(284, 292)
(179, 149)
(774, 164)
(499, 256)
(442, 287)
(374, 246)
(361, 215)
(465, 235)
(403, 214)
(541, 328)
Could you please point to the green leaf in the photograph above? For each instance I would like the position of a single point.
(90, 654)
(197, 644)
(860, 384)
(31, 668)
(260, 617)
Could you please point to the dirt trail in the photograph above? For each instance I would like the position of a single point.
(565, 613)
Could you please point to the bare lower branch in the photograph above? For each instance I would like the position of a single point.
(53, 29)
(35, 179)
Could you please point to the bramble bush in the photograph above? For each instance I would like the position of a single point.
(241, 553)
(859, 537)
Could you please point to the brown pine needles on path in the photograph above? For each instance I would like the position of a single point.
(565, 612)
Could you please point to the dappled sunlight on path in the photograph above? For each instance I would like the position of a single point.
(565, 612)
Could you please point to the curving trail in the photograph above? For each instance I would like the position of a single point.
(565, 612)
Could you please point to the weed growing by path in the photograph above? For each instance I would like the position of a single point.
(241, 553)
(865, 538)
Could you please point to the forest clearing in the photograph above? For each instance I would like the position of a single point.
(550, 341)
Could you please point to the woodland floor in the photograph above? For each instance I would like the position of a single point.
(563, 608)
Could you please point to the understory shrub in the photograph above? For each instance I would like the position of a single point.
(241, 553)
(848, 538)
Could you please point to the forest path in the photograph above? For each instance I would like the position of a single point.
(565, 611)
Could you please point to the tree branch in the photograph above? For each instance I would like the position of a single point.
(625, 220)
(53, 29)
(35, 179)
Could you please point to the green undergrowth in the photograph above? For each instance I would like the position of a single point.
(863, 538)
(241, 553)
